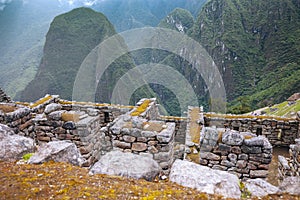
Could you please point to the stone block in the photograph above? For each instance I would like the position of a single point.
(209, 156)
(139, 146)
(241, 164)
(122, 145)
(128, 138)
(232, 137)
(252, 149)
(258, 173)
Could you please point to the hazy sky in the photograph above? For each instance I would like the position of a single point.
(4, 3)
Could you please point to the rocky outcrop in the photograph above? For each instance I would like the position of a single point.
(127, 165)
(205, 179)
(290, 185)
(4, 97)
(58, 151)
(13, 147)
(259, 187)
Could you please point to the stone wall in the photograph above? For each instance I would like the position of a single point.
(144, 136)
(52, 119)
(290, 166)
(279, 131)
(240, 153)
(3, 97)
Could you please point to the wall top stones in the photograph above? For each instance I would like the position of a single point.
(4, 97)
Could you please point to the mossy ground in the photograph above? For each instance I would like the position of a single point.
(64, 181)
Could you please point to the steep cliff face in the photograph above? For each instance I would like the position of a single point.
(69, 40)
(255, 45)
(179, 19)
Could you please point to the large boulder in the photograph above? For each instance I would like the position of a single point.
(259, 187)
(205, 179)
(290, 185)
(127, 165)
(13, 147)
(232, 137)
(58, 151)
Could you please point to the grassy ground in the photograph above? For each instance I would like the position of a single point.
(283, 109)
(63, 181)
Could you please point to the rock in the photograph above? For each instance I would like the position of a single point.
(13, 147)
(251, 150)
(56, 115)
(92, 112)
(284, 163)
(232, 137)
(4, 131)
(205, 179)
(209, 156)
(165, 135)
(255, 141)
(139, 146)
(52, 107)
(208, 139)
(259, 187)
(128, 138)
(232, 157)
(69, 125)
(127, 165)
(258, 173)
(58, 151)
(290, 185)
(122, 145)
(148, 134)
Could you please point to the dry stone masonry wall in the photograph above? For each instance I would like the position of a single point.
(3, 97)
(145, 136)
(279, 131)
(100, 128)
(240, 153)
(290, 166)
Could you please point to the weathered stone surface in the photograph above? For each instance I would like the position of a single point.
(241, 164)
(243, 156)
(208, 139)
(209, 156)
(122, 145)
(92, 112)
(253, 150)
(232, 137)
(139, 146)
(128, 138)
(69, 125)
(255, 141)
(58, 151)
(227, 163)
(258, 173)
(284, 163)
(259, 187)
(128, 165)
(52, 107)
(232, 157)
(290, 185)
(166, 135)
(13, 147)
(148, 134)
(56, 115)
(205, 179)
(236, 150)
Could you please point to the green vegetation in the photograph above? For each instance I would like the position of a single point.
(283, 109)
(178, 16)
(27, 156)
(70, 39)
(256, 49)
